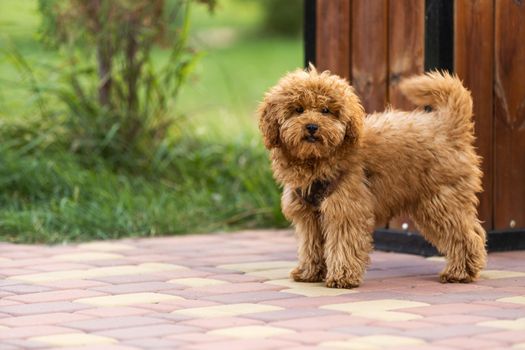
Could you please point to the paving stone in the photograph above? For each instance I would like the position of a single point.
(98, 324)
(61, 295)
(196, 282)
(250, 332)
(518, 324)
(249, 297)
(374, 342)
(127, 299)
(86, 256)
(226, 310)
(152, 331)
(42, 319)
(113, 311)
(76, 339)
(30, 331)
(207, 291)
(135, 287)
(43, 308)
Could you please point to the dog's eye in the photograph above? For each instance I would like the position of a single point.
(325, 110)
(299, 110)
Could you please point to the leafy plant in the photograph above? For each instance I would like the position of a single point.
(117, 100)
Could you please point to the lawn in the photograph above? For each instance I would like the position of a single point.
(219, 176)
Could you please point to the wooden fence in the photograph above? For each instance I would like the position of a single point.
(375, 43)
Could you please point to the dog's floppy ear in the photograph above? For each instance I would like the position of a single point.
(268, 124)
(353, 113)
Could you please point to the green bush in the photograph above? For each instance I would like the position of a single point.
(283, 17)
(116, 100)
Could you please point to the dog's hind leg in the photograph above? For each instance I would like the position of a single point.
(450, 223)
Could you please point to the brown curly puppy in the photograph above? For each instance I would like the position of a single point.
(342, 171)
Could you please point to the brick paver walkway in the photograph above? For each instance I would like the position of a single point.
(231, 291)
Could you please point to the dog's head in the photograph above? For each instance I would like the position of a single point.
(310, 114)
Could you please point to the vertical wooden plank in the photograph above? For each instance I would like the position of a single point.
(509, 108)
(369, 52)
(333, 36)
(406, 42)
(406, 46)
(474, 62)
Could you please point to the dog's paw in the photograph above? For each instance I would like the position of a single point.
(347, 281)
(313, 274)
(456, 277)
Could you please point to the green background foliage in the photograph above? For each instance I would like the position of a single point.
(212, 174)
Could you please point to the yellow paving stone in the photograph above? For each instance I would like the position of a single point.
(497, 274)
(519, 346)
(86, 256)
(515, 300)
(309, 289)
(511, 325)
(373, 342)
(272, 273)
(73, 339)
(3, 327)
(437, 258)
(4, 259)
(226, 310)
(251, 332)
(128, 299)
(258, 266)
(96, 272)
(380, 310)
(374, 305)
(196, 282)
(105, 246)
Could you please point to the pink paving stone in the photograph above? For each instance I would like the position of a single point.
(155, 343)
(313, 337)
(404, 325)
(61, 266)
(250, 297)
(505, 336)
(42, 319)
(448, 309)
(104, 347)
(100, 324)
(245, 344)
(113, 311)
(137, 287)
(4, 303)
(22, 262)
(288, 314)
(457, 319)
(61, 295)
(238, 278)
(469, 343)
(422, 347)
(220, 322)
(158, 330)
(73, 284)
(125, 279)
(43, 308)
(23, 344)
(195, 338)
(321, 322)
(24, 288)
(304, 302)
(16, 272)
(33, 331)
(448, 331)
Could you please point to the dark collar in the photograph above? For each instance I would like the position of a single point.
(318, 191)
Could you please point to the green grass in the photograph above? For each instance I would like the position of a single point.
(216, 177)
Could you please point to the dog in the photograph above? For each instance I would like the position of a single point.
(343, 171)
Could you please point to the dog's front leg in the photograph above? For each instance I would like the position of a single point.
(311, 267)
(347, 221)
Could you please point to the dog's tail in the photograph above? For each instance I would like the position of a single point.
(442, 91)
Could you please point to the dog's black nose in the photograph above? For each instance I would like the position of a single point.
(312, 128)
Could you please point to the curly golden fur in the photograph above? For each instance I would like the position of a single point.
(342, 171)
